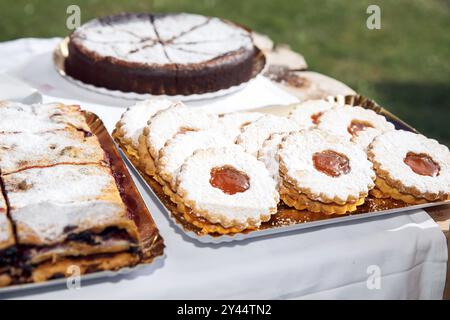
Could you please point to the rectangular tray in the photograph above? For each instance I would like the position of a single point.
(152, 244)
(289, 219)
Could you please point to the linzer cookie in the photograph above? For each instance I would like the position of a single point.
(410, 167)
(323, 173)
(254, 134)
(164, 125)
(226, 190)
(269, 155)
(307, 114)
(233, 123)
(356, 124)
(170, 54)
(133, 121)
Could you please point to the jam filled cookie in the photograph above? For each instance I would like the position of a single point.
(356, 124)
(235, 121)
(307, 113)
(269, 155)
(410, 167)
(323, 173)
(226, 190)
(254, 134)
(133, 121)
(164, 125)
(182, 146)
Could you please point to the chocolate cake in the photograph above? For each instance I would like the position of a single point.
(172, 54)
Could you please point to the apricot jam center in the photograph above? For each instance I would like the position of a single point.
(229, 180)
(422, 164)
(315, 117)
(357, 126)
(331, 163)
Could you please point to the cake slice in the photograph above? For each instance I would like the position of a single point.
(17, 117)
(24, 150)
(7, 244)
(69, 211)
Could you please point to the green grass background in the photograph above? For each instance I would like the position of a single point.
(405, 66)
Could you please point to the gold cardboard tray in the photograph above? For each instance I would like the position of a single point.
(286, 218)
(151, 245)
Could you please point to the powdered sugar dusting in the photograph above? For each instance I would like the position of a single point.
(390, 149)
(136, 117)
(44, 201)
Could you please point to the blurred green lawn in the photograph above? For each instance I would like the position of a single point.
(405, 66)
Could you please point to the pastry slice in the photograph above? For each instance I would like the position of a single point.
(17, 117)
(23, 150)
(69, 210)
(7, 244)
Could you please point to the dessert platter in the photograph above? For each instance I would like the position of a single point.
(137, 56)
(67, 200)
(225, 177)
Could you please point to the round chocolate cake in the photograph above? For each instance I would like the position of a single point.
(172, 54)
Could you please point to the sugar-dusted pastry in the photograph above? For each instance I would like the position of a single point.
(323, 173)
(19, 151)
(7, 244)
(254, 134)
(307, 113)
(183, 145)
(133, 121)
(226, 190)
(170, 54)
(17, 117)
(410, 167)
(269, 155)
(234, 122)
(54, 221)
(355, 124)
(164, 125)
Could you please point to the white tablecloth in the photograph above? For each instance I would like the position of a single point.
(408, 251)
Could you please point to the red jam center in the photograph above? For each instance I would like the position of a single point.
(331, 163)
(357, 126)
(229, 180)
(422, 164)
(315, 117)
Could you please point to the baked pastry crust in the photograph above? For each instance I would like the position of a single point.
(17, 117)
(397, 180)
(243, 209)
(302, 181)
(45, 212)
(133, 121)
(338, 121)
(19, 151)
(6, 231)
(172, 54)
(254, 134)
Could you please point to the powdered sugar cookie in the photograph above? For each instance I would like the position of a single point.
(229, 187)
(235, 121)
(182, 146)
(133, 121)
(254, 134)
(269, 155)
(307, 113)
(410, 167)
(323, 173)
(164, 125)
(356, 124)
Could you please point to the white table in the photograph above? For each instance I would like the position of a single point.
(402, 256)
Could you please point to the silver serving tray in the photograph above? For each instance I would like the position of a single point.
(330, 220)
